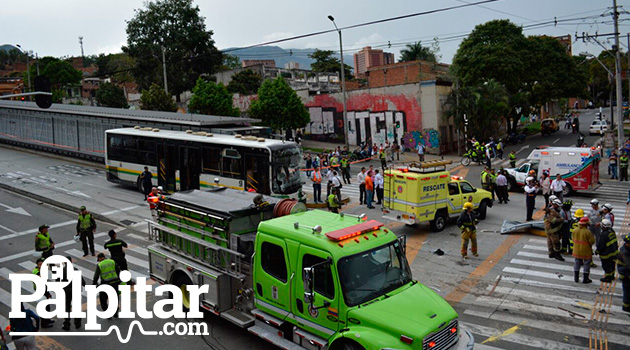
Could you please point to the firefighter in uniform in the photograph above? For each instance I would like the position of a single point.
(623, 269)
(466, 223)
(623, 167)
(43, 242)
(574, 225)
(565, 215)
(107, 271)
(512, 158)
(85, 229)
(607, 249)
(553, 225)
(583, 241)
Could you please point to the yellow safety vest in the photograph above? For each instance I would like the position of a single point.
(108, 271)
(43, 240)
(85, 221)
(331, 201)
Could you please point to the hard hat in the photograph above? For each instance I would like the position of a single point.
(76, 237)
(606, 223)
(594, 201)
(626, 238)
(579, 213)
(584, 220)
(556, 202)
(532, 172)
(608, 206)
(529, 179)
(468, 205)
(567, 202)
(552, 198)
(160, 188)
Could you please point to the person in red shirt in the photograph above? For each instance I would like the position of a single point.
(369, 189)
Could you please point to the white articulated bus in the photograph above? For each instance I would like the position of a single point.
(184, 160)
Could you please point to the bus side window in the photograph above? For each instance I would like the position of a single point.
(232, 167)
(211, 161)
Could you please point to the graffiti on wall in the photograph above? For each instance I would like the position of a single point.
(363, 126)
(429, 138)
(243, 102)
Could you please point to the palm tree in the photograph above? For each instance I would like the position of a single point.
(416, 51)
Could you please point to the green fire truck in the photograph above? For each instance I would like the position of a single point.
(298, 279)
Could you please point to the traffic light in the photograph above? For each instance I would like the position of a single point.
(398, 124)
(42, 84)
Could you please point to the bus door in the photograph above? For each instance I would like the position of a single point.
(189, 168)
(257, 173)
(166, 167)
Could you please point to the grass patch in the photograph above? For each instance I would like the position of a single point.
(532, 128)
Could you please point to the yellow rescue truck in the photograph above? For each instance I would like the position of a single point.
(427, 192)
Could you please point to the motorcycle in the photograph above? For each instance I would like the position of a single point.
(471, 156)
(514, 138)
(580, 141)
(359, 153)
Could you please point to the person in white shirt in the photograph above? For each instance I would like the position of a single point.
(361, 181)
(420, 149)
(378, 186)
(557, 186)
(330, 175)
(502, 184)
(336, 182)
(530, 196)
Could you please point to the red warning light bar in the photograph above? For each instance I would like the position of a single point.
(353, 231)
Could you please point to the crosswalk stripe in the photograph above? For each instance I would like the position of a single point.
(535, 247)
(546, 275)
(550, 266)
(521, 339)
(554, 286)
(86, 273)
(130, 259)
(558, 327)
(534, 296)
(521, 306)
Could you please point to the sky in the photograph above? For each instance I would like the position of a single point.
(52, 28)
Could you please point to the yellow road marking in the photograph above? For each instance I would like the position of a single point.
(414, 243)
(462, 172)
(482, 270)
(507, 332)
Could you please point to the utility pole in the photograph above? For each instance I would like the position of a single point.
(628, 71)
(343, 87)
(164, 68)
(82, 54)
(618, 74)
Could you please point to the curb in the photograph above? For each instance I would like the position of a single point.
(57, 203)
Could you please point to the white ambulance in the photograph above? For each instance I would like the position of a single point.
(578, 166)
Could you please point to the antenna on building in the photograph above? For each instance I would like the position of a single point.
(81, 43)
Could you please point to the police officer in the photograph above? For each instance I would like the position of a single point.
(45, 322)
(512, 158)
(466, 222)
(43, 242)
(485, 183)
(583, 241)
(345, 169)
(68, 292)
(607, 249)
(492, 178)
(107, 271)
(531, 190)
(383, 157)
(623, 269)
(553, 225)
(623, 167)
(85, 229)
(334, 203)
(115, 247)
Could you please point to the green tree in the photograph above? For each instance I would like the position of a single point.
(118, 66)
(176, 26)
(212, 99)
(326, 63)
(156, 99)
(110, 95)
(230, 62)
(416, 51)
(279, 106)
(61, 74)
(245, 82)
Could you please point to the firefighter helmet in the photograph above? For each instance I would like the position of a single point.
(626, 238)
(579, 213)
(468, 205)
(584, 220)
(608, 206)
(606, 223)
(594, 201)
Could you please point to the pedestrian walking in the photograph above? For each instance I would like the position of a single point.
(115, 247)
(30, 323)
(420, 149)
(553, 225)
(557, 186)
(86, 226)
(502, 185)
(345, 169)
(583, 241)
(378, 186)
(68, 294)
(334, 201)
(43, 242)
(369, 189)
(146, 179)
(607, 250)
(153, 199)
(612, 165)
(361, 180)
(545, 185)
(467, 222)
(512, 159)
(623, 167)
(531, 190)
(623, 269)
(565, 215)
(317, 185)
(107, 271)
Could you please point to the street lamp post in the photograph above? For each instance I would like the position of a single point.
(610, 78)
(28, 69)
(343, 86)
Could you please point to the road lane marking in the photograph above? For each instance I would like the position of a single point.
(57, 245)
(504, 334)
(35, 230)
(521, 339)
(482, 270)
(553, 286)
(556, 140)
(7, 229)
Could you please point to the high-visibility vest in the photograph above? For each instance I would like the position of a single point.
(85, 221)
(499, 145)
(623, 161)
(43, 240)
(331, 201)
(484, 179)
(610, 250)
(512, 156)
(381, 155)
(317, 177)
(344, 163)
(108, 271)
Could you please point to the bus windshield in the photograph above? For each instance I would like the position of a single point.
(285, 170)
(370, 274)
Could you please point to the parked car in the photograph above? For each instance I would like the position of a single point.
(598, 127)
(548, 126)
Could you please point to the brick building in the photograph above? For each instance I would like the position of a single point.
(405, 73)
(265, 63)
(368, 57)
